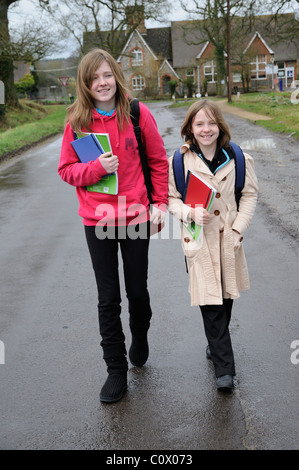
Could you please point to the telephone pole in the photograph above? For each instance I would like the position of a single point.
(229, 90)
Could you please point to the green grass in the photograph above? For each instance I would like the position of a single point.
(30, 124)
(277, 105)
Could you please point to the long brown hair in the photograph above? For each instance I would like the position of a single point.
(213, 110)
(80, 113)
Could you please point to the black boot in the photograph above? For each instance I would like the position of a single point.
(139, 350)
(116, 384)
(114, 388)
(140, 317)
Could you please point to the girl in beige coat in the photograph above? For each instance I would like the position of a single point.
(216, 263)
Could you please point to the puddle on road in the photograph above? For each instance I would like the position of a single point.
(258, 144)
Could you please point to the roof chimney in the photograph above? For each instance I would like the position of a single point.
(135, 18)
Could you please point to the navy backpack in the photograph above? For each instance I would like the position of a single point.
(179, 174)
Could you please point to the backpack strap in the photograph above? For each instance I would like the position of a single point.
(179, 171)
(240, 171)
(135, 114)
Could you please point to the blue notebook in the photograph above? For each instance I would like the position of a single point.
(87, 148)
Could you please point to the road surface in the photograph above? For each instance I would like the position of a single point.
(52, 369)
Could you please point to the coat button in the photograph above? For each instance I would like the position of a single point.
(216, 212)
(186, 240)
(218, 195)
(224, 179)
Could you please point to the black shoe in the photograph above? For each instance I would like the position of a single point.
(139, 350)
(208, 352)
(225, 383)
(114, 388)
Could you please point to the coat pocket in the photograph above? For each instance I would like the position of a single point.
(191, 248)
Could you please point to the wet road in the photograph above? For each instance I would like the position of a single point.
(53, 367)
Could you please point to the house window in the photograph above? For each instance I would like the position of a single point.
(190, 73)
(209, 70)
(137, 57)
(237, 77)
(138, 83)
(280, 69)
(258, 70)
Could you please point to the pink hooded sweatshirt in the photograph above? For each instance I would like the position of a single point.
(131, 203)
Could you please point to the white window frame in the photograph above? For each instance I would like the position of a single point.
(138, 83)
(137, 57)
(281, 71)
(190, 73)
(237, 77)
(210, 76)
(256, 71)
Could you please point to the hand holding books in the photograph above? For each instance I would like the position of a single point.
(200, 215)
(109, 162)
(92, 146)
(200, 196)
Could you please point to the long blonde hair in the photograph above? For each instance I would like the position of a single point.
(213, 110)
(80, 113)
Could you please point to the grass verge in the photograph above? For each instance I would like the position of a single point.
(30, 124)
(277, 105)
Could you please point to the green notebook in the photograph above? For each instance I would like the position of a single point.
(107, 184)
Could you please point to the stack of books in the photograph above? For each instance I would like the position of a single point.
(197, 193)
(89, 147)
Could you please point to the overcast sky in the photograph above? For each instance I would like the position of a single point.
(25, 10)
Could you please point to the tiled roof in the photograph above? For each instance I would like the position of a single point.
(188, 39)
(159, 40)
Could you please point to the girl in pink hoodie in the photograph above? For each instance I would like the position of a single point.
(121, 220)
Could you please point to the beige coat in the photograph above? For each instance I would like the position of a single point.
(216, 270)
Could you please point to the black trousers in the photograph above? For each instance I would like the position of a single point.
(216, 320)
(104, 256)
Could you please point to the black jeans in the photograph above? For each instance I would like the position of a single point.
(216, 320)
(104, 256)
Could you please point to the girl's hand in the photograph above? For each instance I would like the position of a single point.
(157, 215)
(109, 162)
(200, 215)
(237, 239)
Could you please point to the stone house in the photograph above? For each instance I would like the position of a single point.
(152, 57)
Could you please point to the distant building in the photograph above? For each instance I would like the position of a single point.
(152, 57)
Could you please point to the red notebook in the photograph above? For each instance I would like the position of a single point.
(198, 191)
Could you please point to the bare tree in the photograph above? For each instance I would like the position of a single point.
(27, 44)
(282, 20)
(225, 22)
(6, 63)
(103, 23)
(215, 17)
